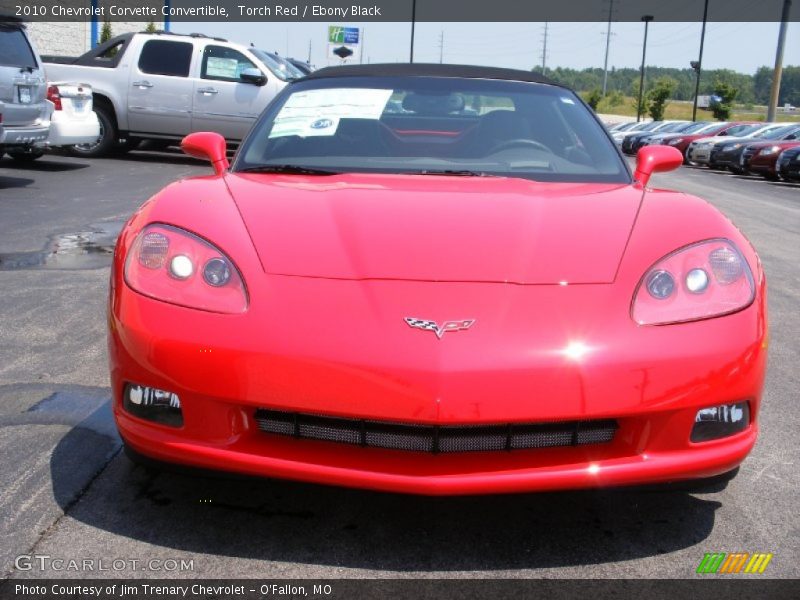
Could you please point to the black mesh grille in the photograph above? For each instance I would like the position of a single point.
(436, 438)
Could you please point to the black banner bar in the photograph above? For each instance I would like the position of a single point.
(750, 587)
(337, 11)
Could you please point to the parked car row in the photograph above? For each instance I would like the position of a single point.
(767, 149)
(138, 86)
(36, 114)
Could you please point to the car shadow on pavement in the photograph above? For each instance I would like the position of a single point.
(174, 158)
(318, 525)
(44, 164)
(14, 182)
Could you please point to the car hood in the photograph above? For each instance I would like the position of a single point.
(436, 228)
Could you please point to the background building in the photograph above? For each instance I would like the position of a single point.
(73, 39)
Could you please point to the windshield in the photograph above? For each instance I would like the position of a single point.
(432, 125)
(275, 64)
(709, 128)
(742, 130)
(693, 127)
(674, 127)
(14, 49)
(779, 132)
(772, 132)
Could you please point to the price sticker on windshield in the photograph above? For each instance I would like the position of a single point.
(315, 113)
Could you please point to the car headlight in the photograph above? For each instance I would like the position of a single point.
(175, 266)
(769, 150)
(704, 280)
(731, 147)
(675, 142)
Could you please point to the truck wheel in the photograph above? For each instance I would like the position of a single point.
(27, 155)
(107, 141)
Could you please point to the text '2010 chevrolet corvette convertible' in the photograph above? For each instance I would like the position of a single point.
(437, 280)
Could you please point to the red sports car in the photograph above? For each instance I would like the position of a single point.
(437, 280)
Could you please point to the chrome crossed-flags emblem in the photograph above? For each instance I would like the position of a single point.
(439, 330)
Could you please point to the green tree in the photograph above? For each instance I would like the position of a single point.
(657, 97)
(727, 94)
(593, 98)
(615, 98)
(151, 27)
(639, 108)
(105, 32)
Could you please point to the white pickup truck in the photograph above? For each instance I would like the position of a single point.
(163, 86)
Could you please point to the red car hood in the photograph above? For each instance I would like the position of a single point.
(436, 228)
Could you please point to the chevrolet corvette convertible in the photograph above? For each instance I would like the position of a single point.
(435, 280)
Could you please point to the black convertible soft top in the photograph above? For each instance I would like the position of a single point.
(430, 70)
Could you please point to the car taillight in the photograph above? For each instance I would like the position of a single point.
(704, 280)
(54, 96)
(173, 265)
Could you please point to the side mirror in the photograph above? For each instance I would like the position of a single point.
(254, 76)
(656, 159)
(209, 146)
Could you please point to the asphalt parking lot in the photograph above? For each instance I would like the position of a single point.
(70, 493)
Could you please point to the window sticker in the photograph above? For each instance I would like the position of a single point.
(317, 112)
(222, 67)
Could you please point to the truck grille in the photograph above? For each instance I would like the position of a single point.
(435, 438)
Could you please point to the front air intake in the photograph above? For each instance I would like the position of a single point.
(435, 438)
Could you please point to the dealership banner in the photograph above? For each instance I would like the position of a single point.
(397, 589)
(391, 10)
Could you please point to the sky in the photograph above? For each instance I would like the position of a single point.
(741, 47)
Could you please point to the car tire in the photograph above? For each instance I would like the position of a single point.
(26, 156)
(107, 142)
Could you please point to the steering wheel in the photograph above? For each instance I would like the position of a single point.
(519, 142)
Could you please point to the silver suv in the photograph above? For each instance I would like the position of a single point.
(23, 91)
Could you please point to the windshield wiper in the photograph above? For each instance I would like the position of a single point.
(449, 172)
(290, 169)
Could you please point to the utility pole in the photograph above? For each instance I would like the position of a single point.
(441, 47)
(413, 23)
(309, 51)
(699, 64)
(361, 46)
(778, 72)
(608, 43)
(544, 49)
(646, 19)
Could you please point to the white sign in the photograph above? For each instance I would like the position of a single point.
(317, 112)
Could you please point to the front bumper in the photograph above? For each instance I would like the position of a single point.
(698, 154)
(652, 380)
(723, 159)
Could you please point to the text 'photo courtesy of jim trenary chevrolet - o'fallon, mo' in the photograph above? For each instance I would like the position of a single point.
(420, 298)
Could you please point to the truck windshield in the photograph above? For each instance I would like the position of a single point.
(277, 66)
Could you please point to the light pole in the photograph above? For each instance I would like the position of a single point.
(646, 19)
(699, 64)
